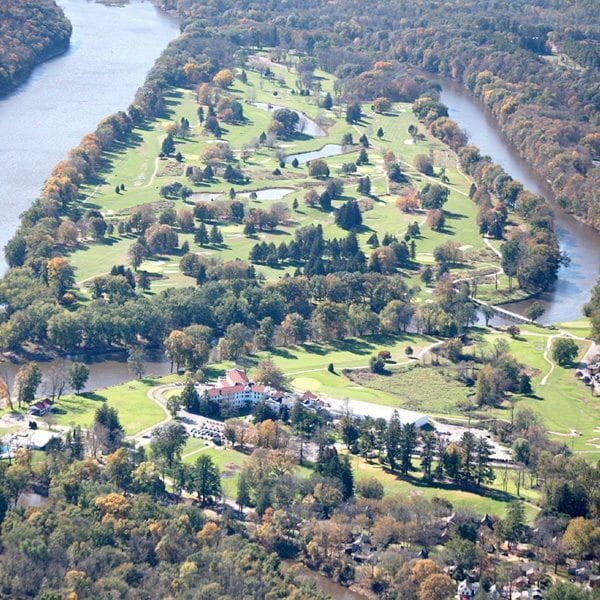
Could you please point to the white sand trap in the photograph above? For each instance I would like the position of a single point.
(171, 271)
(409, 141)
(465, 247)
(110, 212)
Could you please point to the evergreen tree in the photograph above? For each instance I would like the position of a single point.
(392, 440)
(215, 237)
(243, 491)
(328, 101)
(168, 145)
(408, 441)
(484, 450)
(364, 185)
(189, 398)
(201, 237)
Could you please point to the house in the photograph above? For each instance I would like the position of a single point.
(236, 390)
(39, 409)
(467, 590)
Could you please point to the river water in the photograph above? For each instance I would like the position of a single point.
(112, 49)
(582, 243)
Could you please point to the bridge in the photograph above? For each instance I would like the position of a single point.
(508, 314)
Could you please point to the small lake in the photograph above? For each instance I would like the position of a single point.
(105, 369)
(326, 151)
(306, 125)
(269, 193)
(205, 196)
(582, 243)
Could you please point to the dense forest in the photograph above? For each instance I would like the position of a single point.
(30, 31)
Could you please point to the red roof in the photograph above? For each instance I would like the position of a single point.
(237, 376)
(227, 389)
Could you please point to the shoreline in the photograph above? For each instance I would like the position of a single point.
(25, 75)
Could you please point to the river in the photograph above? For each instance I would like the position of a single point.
(112, 49)
(581, 243)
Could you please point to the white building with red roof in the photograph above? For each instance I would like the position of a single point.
(236, 390)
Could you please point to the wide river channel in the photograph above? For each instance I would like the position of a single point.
(112, 49)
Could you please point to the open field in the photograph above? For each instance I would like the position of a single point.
(136, 411)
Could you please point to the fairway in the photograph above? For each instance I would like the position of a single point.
(136, 411)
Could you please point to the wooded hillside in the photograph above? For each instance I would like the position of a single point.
(30, 32)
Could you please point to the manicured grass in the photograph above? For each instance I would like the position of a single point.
(493, 503)
(136, 411)
(564, 403)
(136, 165)
(580, 328)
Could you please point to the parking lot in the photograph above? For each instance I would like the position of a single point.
(202, 427)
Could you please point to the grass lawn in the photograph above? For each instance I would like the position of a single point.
(565, 405)
(494, 503)
(136, 411)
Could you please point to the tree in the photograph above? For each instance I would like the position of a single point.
(107, 428)
(168, 441)
(564, 351)
(78, 376)
(364, 185)
(327, 102)
(353, 113)
(189, 397)
(27, 381)
(381, 105)
(484, 472)
(223, 78)
(513, 527)
(371, 488)
(318, 168)
(137, 253)
(243, 491)
(434, 196)
(178, 348)
(424, 165)
(288, 120)
(168, 145)
(135, 361)
(566, 591)
(206, 479)
(348, 215)
(268, 373)
(437, 586)
(582, 539)
(535, 311)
